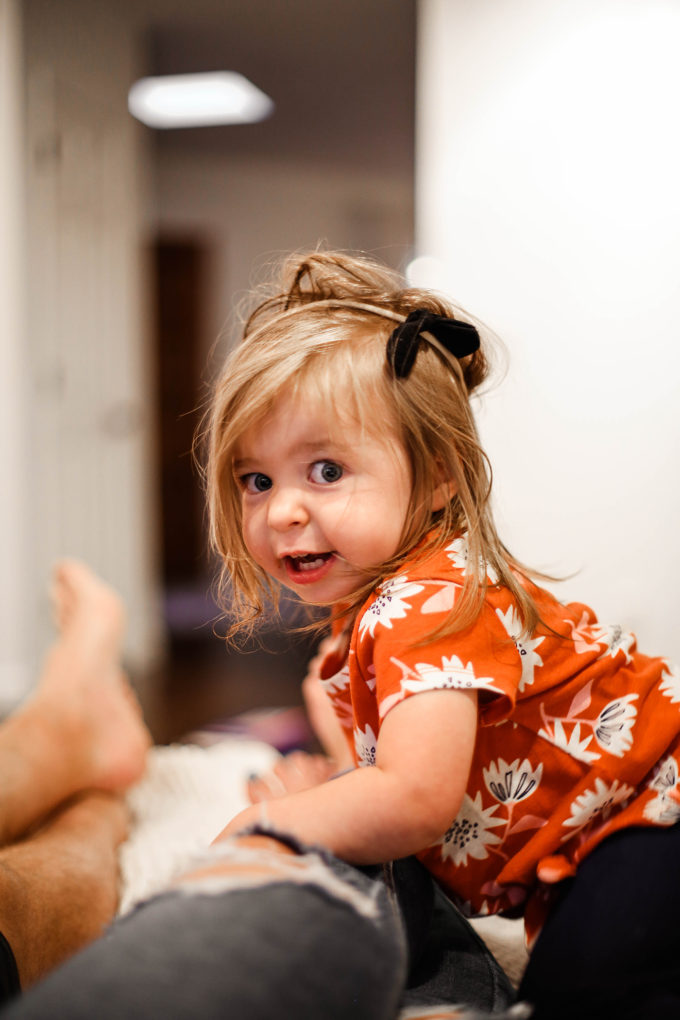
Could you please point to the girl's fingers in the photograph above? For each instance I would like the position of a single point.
(296, 772)
(265, 787)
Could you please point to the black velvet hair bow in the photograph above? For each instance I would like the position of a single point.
(459, 339)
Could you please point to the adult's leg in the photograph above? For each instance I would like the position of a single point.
(59, 887)
(81, 731)
(611, 946)
(259, 929)
(82, 728)
(255, 931)
(453, 966)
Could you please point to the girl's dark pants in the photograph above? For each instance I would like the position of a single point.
(611, 946)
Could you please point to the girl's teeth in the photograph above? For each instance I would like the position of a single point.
(309, 562)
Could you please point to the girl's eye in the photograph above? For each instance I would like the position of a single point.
(256, 482)
(326, 471)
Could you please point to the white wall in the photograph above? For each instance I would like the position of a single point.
(251, 212)
(89, 398)
(548, 164)
(14, 624)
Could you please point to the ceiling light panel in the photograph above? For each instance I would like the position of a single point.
(198, 100)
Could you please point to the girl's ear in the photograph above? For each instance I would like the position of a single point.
(443, 493)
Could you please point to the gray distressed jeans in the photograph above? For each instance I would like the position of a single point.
(254, 934)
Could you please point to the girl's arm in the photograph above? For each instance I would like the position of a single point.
(323, 719)
(400, 806)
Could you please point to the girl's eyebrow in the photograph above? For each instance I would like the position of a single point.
(325, 443)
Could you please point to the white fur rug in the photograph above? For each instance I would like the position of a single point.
(188, 795)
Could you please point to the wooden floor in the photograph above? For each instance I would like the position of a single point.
(203, 682)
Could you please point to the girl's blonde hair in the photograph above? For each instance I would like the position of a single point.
(322, 336)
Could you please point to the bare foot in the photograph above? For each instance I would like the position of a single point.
(83, 689)
(87, 611)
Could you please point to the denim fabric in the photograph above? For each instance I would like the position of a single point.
(455, 965)
(320, 940)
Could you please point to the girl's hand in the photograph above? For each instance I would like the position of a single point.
(243, 820)
(296, 772)
(401, 805)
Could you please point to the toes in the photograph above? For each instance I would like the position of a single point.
(61, 600)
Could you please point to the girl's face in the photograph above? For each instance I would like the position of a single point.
(320, 507)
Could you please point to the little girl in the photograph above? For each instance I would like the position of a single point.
(526, 753)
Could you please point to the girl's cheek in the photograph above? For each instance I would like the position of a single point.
(254, 538)
(248, 534)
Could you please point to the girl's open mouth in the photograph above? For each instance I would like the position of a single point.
(308, 568)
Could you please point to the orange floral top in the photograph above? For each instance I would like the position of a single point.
(579, 733)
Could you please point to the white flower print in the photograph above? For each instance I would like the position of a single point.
(389, 604)
(459, 554)
(336, 683)
(614, 724)
(365, 745)
(665, 776)
(670, 683)
(661, 811)
(612, 728)
(511, 783)
(525, 646)
(596, 804)
(452, 674)
(574, 746)
(615, 640)
(469, 834)
(664, 809)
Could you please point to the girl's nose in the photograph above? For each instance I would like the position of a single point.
(286, 509)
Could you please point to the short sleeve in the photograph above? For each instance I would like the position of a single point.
(397, 660)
